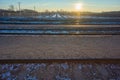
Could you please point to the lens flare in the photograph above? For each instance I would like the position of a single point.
(78, 6)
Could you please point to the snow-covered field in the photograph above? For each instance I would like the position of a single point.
(60, 19)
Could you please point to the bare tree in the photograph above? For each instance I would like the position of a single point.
(11, 8)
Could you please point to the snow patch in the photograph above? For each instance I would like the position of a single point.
(62, 78)
(65, 66)
(80, 66)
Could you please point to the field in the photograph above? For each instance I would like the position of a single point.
(66, 20)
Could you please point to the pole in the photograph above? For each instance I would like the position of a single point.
(19, 5)
(34, 8)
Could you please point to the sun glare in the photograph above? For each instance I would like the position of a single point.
(78, 6)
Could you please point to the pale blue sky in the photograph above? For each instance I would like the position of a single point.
(41, 5)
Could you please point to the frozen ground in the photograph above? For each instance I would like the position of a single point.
(59, 20)
(59, 71)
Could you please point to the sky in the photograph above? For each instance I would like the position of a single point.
(67, 5)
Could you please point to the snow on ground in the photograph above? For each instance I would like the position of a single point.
(59, 71)
(60, 19)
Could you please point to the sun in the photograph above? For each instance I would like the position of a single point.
(78, 6)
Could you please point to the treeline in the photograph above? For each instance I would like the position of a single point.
(24, 12)
(28, 13)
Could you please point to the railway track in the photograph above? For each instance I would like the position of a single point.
(63, 31)
(97, 69)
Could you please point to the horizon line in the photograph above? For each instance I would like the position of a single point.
(61, 10)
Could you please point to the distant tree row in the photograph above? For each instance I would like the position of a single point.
(28, 12)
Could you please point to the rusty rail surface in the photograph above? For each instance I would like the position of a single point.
(65, 31)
